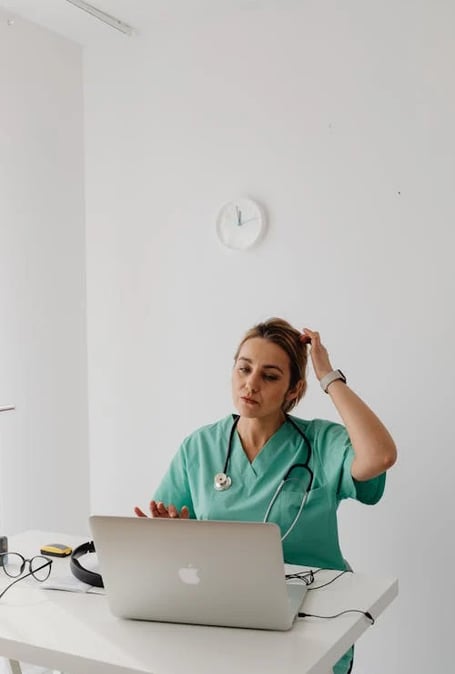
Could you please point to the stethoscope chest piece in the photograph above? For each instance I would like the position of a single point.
(222, 482)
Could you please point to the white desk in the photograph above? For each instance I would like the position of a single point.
(76, 633)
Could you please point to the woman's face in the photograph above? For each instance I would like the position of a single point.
(260, 379)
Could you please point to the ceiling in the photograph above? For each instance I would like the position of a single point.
(71, 22)
(75, 24)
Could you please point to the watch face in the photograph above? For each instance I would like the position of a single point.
(240, 224)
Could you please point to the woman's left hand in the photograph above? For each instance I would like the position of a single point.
(318, 352)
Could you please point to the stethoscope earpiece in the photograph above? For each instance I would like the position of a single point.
(222, 481)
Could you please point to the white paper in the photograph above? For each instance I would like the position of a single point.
(70, 584)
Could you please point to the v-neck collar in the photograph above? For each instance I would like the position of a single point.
(262, 459)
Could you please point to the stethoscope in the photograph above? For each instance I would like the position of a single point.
(222, 481)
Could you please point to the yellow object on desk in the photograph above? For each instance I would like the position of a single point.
(56, 550)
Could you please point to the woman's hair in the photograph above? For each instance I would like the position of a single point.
(281, 333)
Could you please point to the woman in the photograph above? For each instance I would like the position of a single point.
(250, 454)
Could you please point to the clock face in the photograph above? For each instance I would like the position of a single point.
(240, 224)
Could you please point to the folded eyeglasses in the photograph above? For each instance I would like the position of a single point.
(14, 565)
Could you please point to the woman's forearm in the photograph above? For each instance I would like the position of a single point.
(374, 448)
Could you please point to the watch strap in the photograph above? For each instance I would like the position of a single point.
(331, 377)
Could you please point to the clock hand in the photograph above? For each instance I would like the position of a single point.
(239, 216)
(249, 220)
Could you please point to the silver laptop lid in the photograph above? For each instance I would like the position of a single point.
(193, 571)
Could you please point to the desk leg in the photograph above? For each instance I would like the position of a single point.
(15, 667)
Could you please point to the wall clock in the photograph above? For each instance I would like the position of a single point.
(240, 223)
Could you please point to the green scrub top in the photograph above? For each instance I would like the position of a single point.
(313, 541)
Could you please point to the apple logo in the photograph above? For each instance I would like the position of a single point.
(189, 575)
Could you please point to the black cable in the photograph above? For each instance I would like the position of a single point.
(367, 614)
(306, 577)
(318, 587)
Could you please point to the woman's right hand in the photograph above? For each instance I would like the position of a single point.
(159, 509)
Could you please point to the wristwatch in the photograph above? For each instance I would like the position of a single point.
(329, 378)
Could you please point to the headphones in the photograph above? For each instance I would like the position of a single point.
(85, 575)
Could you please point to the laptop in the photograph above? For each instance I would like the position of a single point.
(229, 574)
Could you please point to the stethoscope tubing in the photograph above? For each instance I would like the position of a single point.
(272, 501)
(223, 481)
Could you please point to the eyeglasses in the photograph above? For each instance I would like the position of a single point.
(14, 563)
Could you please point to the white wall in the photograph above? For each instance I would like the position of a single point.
(44, 478)
(339, 119)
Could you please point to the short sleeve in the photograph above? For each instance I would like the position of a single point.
(174, 487)
(367, 491)
(338, 455)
